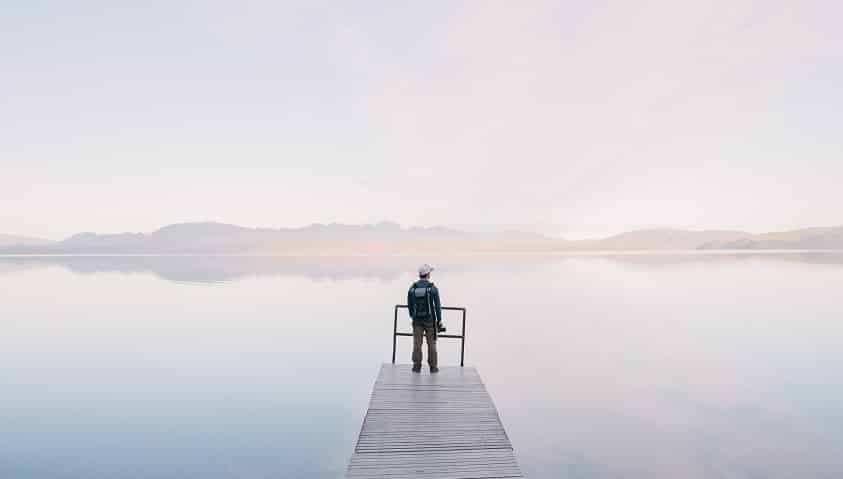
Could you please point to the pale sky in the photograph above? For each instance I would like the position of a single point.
(565, 117)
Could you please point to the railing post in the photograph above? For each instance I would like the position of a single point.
(462, 340)
(395, 334)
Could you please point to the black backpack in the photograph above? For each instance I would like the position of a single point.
(422, 302)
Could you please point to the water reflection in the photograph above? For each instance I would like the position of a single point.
(669, 365)
(220, 269)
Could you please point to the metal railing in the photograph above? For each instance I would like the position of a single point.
(460, 336)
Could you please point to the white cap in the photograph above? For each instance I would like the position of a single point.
(425, 269)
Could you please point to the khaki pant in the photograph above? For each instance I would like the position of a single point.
(420, 331)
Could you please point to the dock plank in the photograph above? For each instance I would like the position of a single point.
(432, 426)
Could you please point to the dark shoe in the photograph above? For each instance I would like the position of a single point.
(434, 369)
(417, 369)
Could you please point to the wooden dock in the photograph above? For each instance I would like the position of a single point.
(432, 426)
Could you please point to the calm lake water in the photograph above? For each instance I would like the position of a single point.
(602, 366)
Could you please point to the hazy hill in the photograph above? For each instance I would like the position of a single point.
(11, 240)
(659, 239)
(219, 238)
(391, 238)
(807, 238)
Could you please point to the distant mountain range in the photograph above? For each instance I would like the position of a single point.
(391, 238)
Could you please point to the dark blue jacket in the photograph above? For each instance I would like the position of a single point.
(434, 296)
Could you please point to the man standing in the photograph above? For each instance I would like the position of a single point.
(426, 312)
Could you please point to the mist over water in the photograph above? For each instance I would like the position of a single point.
(601, 366)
